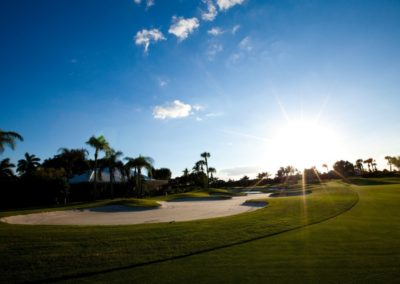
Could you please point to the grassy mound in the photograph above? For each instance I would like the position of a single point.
(129, 202)
(219, 191)
(199, 195)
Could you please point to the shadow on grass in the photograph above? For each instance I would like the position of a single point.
(205, 198)
(286, 193)
(365, 181)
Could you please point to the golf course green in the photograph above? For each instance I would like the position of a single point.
(341, 233)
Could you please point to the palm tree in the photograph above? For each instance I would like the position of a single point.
(113, 162)
(198, 166)
(206, 155)
(212, 171)
(9, 138)
(289, 171)
(263, 175)
(99, 144)
(28, 165)
(359, 165)
(139, 163)
(389, 161)
(6, 168)
(368, 162)
(374, 165)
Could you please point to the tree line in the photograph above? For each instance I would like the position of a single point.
(46, 182)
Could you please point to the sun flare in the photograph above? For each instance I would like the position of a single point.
(305, 144)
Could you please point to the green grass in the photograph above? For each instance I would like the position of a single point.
(41, 252)
(130, 202)
(361, 245)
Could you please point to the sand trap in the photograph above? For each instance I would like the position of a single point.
(123, 215)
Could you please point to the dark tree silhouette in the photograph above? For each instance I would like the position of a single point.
(390, 161)
(205, 156)
(27, 166)
(6, 168)
(163, 173)
(359, 165)
(8, 138)
(344, 168)
(369, 163)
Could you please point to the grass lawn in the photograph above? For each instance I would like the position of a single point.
(361, 245)
(245, 247)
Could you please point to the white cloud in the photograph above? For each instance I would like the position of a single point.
(235, 29)
(211, 12)
(246, 44)
(137, 1)
(181, 27)
(176, 109)
(215, 31)
(227, 4)
(145, 37)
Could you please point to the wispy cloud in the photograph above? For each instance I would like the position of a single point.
(176, 109)
(211, 12)
(214, 114)
(235, 29)
(213, 50)
(227, 4)
(215, 31)
(198, 107)
(182, 27)
(145, 37)
(149, 3)
(162, 82)
(246, 44)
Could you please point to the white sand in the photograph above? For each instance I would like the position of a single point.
(122, 215)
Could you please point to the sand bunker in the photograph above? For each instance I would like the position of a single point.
(123, 215)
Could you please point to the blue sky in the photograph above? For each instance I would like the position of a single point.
(172, 79)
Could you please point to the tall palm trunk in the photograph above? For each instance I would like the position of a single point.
(95, 173)
(208, 174)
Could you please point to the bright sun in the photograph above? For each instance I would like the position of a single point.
(304, 144)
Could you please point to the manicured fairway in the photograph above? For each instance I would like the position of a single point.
(359, 246)
(362, 242)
